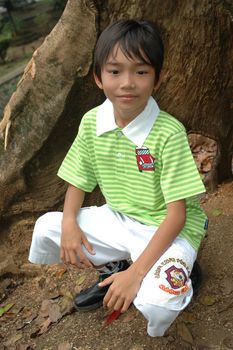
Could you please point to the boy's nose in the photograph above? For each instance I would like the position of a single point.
(128, 82)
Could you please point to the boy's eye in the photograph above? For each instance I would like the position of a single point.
(141, 72)
(114, 71)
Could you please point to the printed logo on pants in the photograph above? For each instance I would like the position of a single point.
(176, 277)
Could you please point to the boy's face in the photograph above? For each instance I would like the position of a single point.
(127, 83)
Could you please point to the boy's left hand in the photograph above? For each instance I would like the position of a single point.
(123, 290)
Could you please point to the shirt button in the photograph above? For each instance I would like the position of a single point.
(119, 134)
(119, 154)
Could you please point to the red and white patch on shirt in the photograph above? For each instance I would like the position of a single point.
(145, 160)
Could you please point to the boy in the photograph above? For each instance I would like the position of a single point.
(140, 158)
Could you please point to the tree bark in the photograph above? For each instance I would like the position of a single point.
(42, 117)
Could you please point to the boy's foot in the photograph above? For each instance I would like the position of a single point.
(92, 298)
(196, 277)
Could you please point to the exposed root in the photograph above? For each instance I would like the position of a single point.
(5, 124)
(8, 125)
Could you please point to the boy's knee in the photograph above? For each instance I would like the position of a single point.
(45, 246)
(41, 220)
(46, 223)
(159, 318)
(47, 230)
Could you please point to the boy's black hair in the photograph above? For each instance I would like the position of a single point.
(136, 38)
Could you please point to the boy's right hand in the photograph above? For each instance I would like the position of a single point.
(72, 240)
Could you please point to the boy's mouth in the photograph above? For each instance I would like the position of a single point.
(127, 97)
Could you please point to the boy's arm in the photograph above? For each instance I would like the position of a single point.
(125, 285)
(163, 238)
(72, 237)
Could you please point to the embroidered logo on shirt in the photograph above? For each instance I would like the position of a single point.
(176, 277)
(145, 160)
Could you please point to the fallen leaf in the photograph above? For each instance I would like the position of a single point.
(216, 212)
(184, 333)
(54, 313)
(64, 346)
(77, 290)
(188, 317)
(207, 300)
(61, 271)
(44, 326)
(66, 306)
(52, 269)
(44, 310)
(66, 293)
(52, 294)
(51, 309)
(17, 309)
(27, 312)
(5, 308)
(56, 270)
(10, 314)
(111, 317)
(80, 280)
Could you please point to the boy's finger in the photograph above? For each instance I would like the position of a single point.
(111, 304)
(107, 298)
(73, 258)
(118, 304)
(83, 260)
(107, 281)
(66, 257)
(125, 306)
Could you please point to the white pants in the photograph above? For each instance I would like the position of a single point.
(165, 290)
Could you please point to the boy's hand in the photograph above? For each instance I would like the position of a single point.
(72, 240)
(123, 289)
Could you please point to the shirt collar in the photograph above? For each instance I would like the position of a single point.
(137, 130)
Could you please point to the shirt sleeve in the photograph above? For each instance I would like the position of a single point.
(180, 178)
(77, 168)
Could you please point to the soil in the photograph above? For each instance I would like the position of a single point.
(42, 316)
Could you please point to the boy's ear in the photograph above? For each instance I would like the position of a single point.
(98, 82)
(158, 83)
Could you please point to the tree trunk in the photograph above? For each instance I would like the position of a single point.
(42, 117)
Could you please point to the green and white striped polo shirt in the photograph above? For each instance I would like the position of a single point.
(106, 155)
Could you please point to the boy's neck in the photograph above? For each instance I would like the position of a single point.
(122, 118)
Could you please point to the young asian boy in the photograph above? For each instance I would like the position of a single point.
(140, 158)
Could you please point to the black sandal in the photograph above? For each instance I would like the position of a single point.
(196, 277)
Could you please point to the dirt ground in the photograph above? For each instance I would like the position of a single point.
(39, 298)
